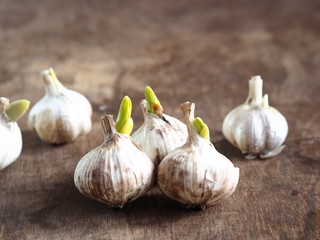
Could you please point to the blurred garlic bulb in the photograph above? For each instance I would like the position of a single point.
(62, 114)
(254, 127)
(10, 134)
(196, 174)
(116, 172)
(160, 133)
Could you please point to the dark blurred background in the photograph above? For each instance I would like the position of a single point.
(203, 51)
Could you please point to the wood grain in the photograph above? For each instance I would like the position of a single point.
(202, 51)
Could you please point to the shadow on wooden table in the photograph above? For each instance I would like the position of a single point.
(227, 149)
(63, 203)
(55, 201)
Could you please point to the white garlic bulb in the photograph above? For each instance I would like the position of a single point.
(62, 114)
(10, 134)
(159, 133)
(196, 174)
(116, 172)
(254, 127)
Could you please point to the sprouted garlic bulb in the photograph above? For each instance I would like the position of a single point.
(160, 133)
(10, 134)
(254, 127)
(62, 114)
(196, 175)
(118, 171)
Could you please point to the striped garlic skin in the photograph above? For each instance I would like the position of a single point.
(10, 138)
(196, 174)
(256, 130)
(158, 136)
(254, 127)
(61, 115)
(115, 173)
(62, 118)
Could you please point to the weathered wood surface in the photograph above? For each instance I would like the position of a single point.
(202, 51)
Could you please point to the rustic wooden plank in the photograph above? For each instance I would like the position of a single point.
(202, 51)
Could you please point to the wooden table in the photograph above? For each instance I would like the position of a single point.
(201, 51)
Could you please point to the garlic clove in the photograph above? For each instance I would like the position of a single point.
(62, 114)
(254, 127)
(11, 139)
(116, 172)
(160, 133)
(196, 174)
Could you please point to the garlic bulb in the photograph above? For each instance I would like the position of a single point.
(116, 172)
(196, 174)
(10, 134)
(62, 114)
(254, 127)
(160, 133)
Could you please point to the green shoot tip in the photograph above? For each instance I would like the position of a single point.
(201, 128)
(153, 103)
(124, 123)
(17, 109)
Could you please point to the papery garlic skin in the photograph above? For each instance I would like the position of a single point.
(10, 137)
(116, 172)
(158, 136)
(196, 174)
(254, 127)
(61, 115)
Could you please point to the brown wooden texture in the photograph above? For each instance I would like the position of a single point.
(202, 51)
